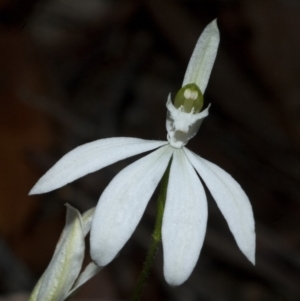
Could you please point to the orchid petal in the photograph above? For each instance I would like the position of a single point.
(123, 202)
(231, 200)
(91, 157)
(36, 289)
(66, 262)
(184, 221)
(87, 218)
(91, 269)
(203, 57)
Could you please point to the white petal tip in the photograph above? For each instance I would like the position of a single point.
(37, 189)
(250, 254)
(101, 256)
(34, 191)
(214, 29)
(249, 247)
(175, 280)
(214, 24)
(100, 259)
(99, 264)
(251, 259)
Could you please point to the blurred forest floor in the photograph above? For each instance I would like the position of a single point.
(76, 71)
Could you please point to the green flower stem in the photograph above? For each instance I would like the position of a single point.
(156, 238)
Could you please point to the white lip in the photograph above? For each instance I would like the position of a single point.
(182, 126)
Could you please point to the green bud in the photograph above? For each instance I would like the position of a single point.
(189, 97)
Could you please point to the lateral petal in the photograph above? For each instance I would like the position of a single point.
(91, 157)
(87, 218)
(66, 262)
(203, 57)
(231, 200)
(123, 203)
(184, 220)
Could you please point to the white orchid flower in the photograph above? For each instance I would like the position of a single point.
(124, 200)
(59, 279)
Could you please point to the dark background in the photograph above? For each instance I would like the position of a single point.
(74, 71)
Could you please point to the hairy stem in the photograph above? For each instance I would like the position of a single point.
(156, 238)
